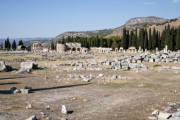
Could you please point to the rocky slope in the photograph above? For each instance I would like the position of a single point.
(160, 27)
(148, 20)
(104, 32)
(134, 23)
(139, 22)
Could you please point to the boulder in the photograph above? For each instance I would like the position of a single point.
(27, 66)
(176, 114)
(16, 91)
(29, 106)
(100, 75)
(155, 112)
(114, 77)
(163, 115)
(4, 67)
(64, 110)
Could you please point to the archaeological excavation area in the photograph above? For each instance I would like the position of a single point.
(90, 85)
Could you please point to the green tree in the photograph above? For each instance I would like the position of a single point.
(114, 44)
(8, 44)
(14, 45)
(145, 40)
(5, 44)
(150, 40)
(52, 45)
(20, 42)
(125, 39)
(154, 39)
(141, 38)
(178, 39)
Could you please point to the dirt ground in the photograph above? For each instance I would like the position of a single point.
(133, 99)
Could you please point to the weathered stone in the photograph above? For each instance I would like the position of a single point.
(151, 60)
(152, 118)
(64, 110)
(155, 112)
(167, 108)
(27, 66)
(24, 91)
(16, 91)
(42, 114)
(176, 114)
(32, 118)
(29, 106)
(114, 77)
(100, 75)
(163, 115)
(4, 67)
(47, 107)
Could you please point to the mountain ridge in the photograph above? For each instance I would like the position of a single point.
(137, 22)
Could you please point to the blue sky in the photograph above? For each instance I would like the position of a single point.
(48, 18)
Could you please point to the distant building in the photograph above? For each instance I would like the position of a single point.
(70, 47)
(60, 48)
(37, 46)
(73, 46)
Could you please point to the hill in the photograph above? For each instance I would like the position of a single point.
(104, 32)
(139, 22)
(134, 23)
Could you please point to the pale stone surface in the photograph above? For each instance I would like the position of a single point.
(32, 118)
(64, 110)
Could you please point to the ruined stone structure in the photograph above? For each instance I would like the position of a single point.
(73, 47)
(46, 47)
(121, 49)
(166, 49)
(84, 50)
(101, 50)
(60, 48)
(132, 50)
(37, 46)
(140, 49)
(116, 49)
(70, 47)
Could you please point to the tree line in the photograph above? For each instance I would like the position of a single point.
(13, 46)
(149, 39)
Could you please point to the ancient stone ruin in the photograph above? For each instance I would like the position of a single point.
(70, 48)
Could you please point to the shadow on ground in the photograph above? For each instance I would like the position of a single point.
(9, 83)
(42, 89)
(8, 78)
(58, 87)
(5, 92)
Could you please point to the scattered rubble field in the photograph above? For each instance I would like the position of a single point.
(96, 94)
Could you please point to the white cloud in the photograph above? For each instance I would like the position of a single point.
(149, 3)
(175, 1)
